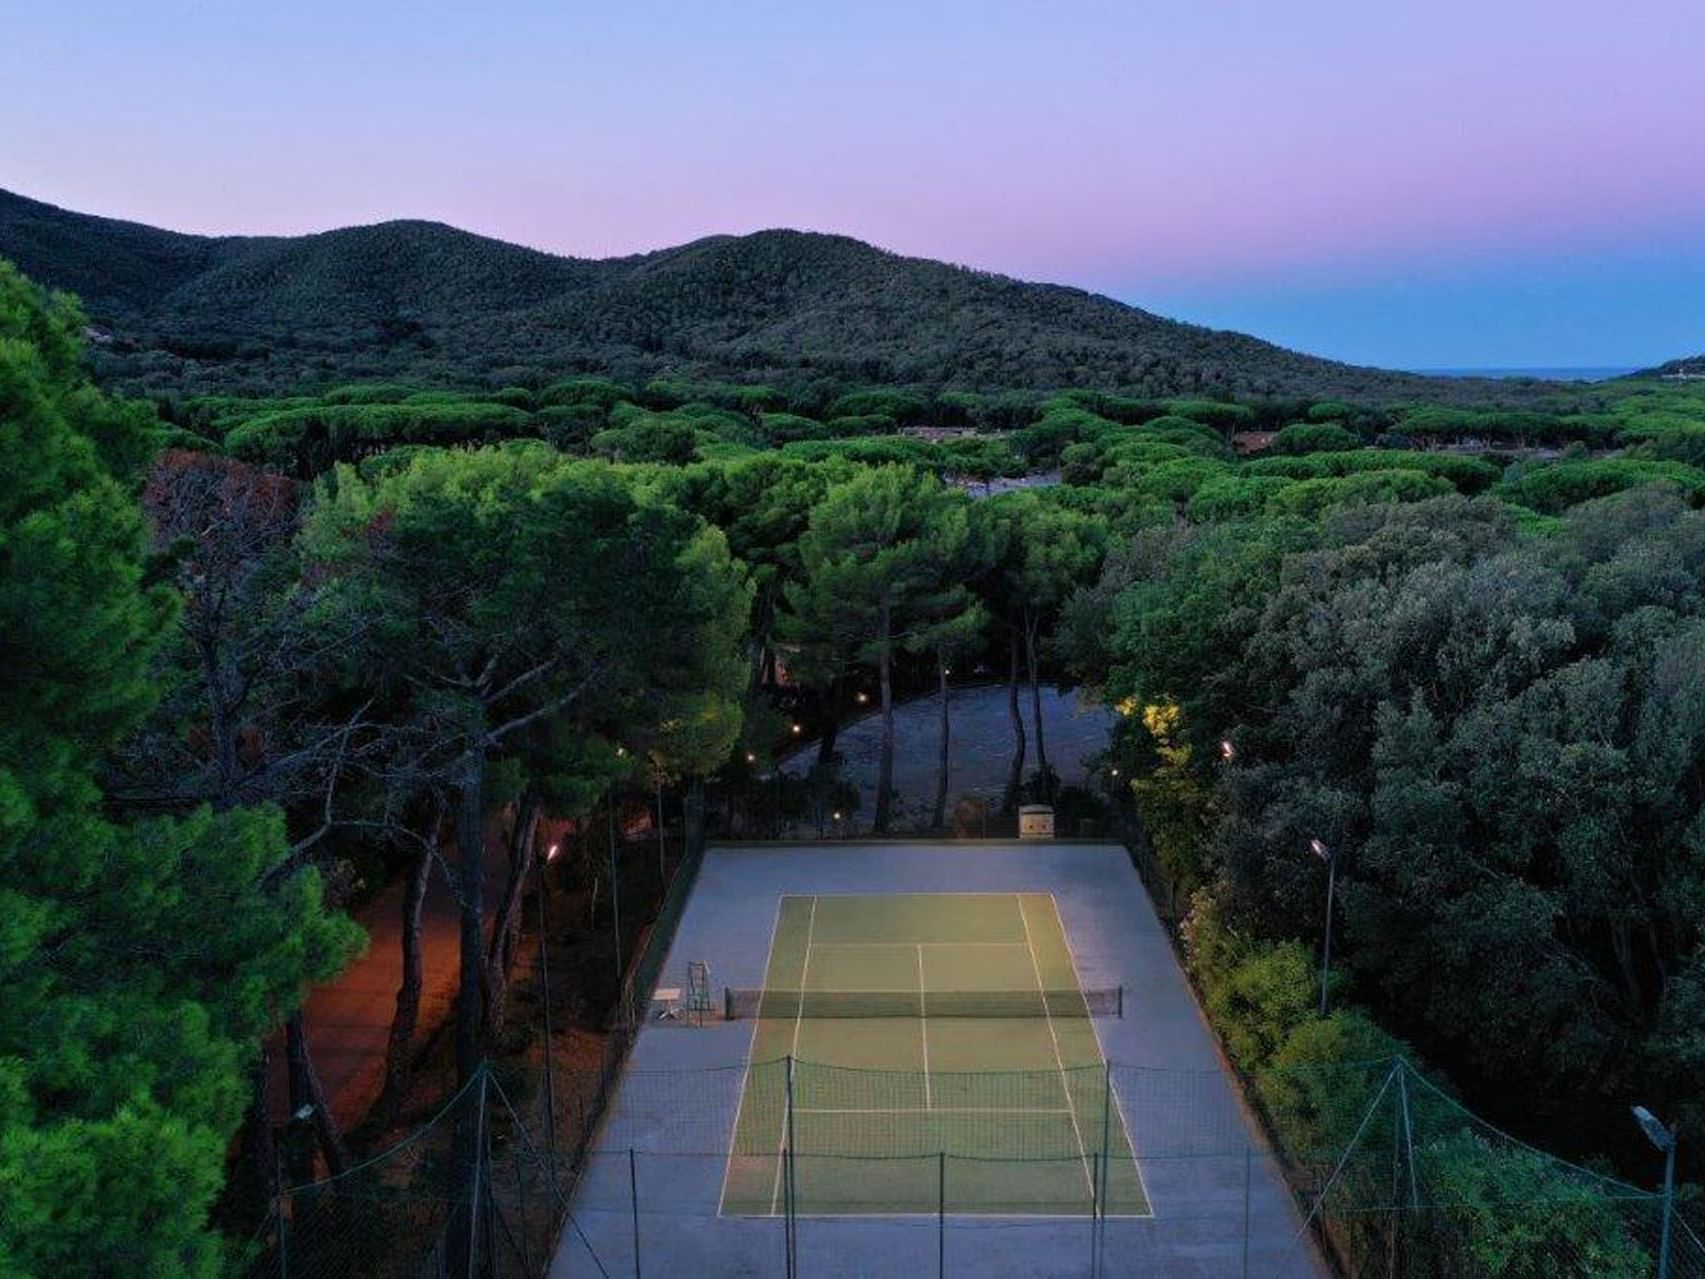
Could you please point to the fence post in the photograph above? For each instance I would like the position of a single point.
(278, 1205)
(475, 1190)
(633, 1193)
(1095, 1214)
(545, 985)
(1106, 1154)
(1248, 1176)
(792, 1185)
(615, 893)
(941, 1214)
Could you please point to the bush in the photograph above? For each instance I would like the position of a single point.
(1309, 499)
(1234, 496)
(1315, 437)
(1554, 488)
(1469, 475)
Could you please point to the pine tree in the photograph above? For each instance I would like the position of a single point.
(126, 1022)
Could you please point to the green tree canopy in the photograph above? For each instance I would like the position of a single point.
(127, 1023)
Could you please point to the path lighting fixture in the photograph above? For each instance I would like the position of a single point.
(1664, 1140)
(551, 852)
(863, 698)
(798, 728)
(1325, 854)
(1228, 752)
(751, 758)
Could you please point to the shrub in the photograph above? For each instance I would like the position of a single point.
(1315, 437)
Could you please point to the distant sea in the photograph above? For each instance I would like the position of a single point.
(1583, 374)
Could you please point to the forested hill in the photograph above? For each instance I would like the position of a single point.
(1689, 368)
(430, 303)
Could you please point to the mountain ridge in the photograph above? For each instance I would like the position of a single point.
(419, 299)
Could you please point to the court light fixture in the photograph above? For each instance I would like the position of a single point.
(1664, 1140)
(1325, 854)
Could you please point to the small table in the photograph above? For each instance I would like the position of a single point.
(670, 998)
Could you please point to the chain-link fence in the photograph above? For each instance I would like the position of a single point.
(1399, 1179)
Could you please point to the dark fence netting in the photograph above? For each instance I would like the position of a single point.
(1400, 1180)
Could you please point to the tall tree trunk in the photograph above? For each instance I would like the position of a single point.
(305, 1090)
(470, 843)
(1015, 770)
(940, 818)
(1036, 710)
(501, 954)
(407, 1016)
(885, 773)
(827, 704)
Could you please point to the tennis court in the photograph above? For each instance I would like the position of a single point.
(920, 1052)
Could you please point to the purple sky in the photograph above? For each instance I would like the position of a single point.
(1394, 181)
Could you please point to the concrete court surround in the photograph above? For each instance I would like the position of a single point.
(1220, 1206)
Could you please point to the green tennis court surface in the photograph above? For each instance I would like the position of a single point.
(848, 1109)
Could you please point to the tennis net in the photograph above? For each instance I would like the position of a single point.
(758, 1002)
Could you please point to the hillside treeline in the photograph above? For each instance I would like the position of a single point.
(440, 307)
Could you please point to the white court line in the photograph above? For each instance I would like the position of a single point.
(799, 1017)
(892, 945)
(923, 1025)
(746, 1075)
(1118, 1103)
(939, 1110)
(1065, 1084)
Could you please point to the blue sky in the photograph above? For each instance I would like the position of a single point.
(1447, 183)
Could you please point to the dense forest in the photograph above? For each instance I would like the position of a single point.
(443, 308)
(255, 638)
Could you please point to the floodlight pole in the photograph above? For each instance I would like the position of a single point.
(1664, 1139)
(1326, 855)
(1669, 1209)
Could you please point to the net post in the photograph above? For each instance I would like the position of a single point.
(1121, 1001)
(633, 1197)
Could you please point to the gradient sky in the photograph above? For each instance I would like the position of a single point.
(1416, 183)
